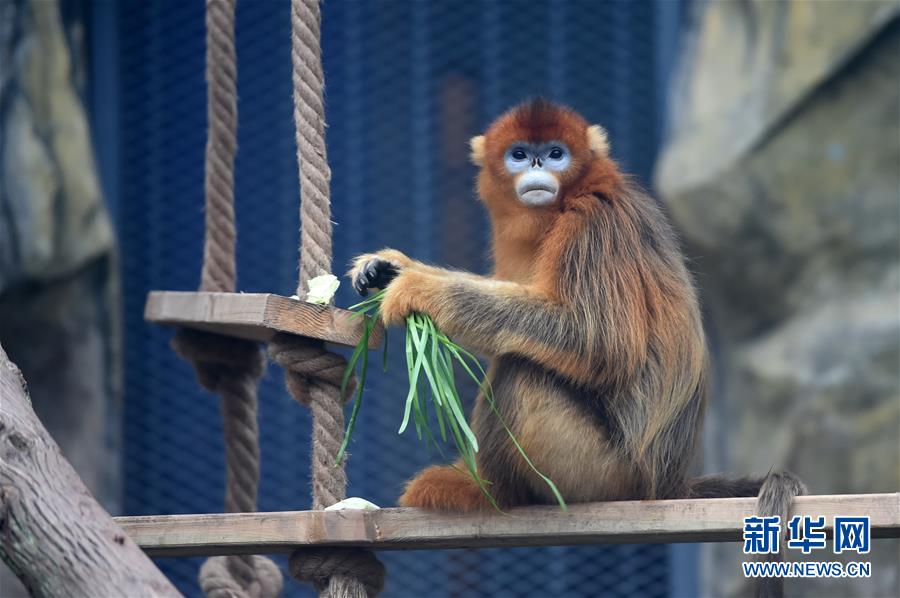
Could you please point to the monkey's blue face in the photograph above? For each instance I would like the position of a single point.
(535, 167)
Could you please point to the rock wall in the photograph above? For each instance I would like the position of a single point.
(59, 310)
(783, 175)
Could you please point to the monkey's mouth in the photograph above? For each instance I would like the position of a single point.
(537, 194)
(537, 188)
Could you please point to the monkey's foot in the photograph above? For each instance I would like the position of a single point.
(444, 488)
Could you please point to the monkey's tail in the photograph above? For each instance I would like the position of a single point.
(775, 493)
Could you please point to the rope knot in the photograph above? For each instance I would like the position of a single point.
(307, 360)
(216, 357)
(240, 577)
(231, 367)
(320, 564)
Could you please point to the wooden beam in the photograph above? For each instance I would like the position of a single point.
(256, 316)
(664, 521)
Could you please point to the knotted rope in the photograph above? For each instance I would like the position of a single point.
(229, 367)
(230, 577)
(313, 374)
(313, 377)
(319, 565)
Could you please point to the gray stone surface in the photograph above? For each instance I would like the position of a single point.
(783, 175)
(52, 219)
(749, 65)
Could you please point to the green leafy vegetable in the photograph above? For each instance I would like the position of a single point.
(430, 360)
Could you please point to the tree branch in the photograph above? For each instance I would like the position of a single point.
(53, 534)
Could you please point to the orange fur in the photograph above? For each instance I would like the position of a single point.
(593, 329)
(590, 321)
(444, 488)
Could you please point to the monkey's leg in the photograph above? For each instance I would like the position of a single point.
(451, 488)
(444, 488)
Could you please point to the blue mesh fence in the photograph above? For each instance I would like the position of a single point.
(407, 83)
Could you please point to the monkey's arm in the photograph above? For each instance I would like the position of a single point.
(492, 317)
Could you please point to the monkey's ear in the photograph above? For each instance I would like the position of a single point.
(477, 145)
(597, 140)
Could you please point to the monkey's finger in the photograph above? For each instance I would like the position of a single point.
(380, 273)
(374, 274)
(361, 283)
(370, 271)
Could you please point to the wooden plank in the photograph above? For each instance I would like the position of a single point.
(256, 316)
(705, 520)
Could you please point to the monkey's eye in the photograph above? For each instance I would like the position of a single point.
(555, 154)
(519, 154)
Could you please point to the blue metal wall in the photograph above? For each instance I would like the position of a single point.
(407, 83)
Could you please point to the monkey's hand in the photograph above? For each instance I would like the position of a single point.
(376, 270)
(410, 286)
(413, 290)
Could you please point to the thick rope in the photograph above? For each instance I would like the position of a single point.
(218, 272)
(318, 565)
(254, 576)
(227, 366)
(231, 368)
(309, 120)
(314, 374)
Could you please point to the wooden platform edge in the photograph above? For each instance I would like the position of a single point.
(256, 316)
(666, 521)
